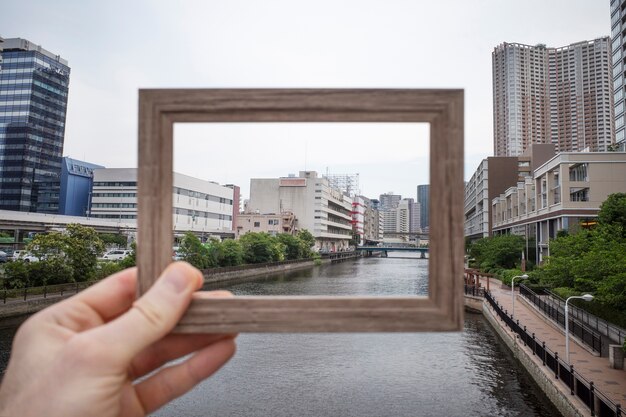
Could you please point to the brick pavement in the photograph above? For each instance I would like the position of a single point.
(612, 382)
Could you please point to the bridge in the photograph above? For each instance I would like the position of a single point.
(384, 250)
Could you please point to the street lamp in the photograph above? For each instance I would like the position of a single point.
(586, 297)
(525, 276)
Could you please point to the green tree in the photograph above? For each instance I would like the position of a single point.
(113, 239)
(497, 252)
(613, 210)
(294, 247)
(77, 247)
(232, 253)
(307, 239)
(83, 248)
(261, 248)
(194, 252)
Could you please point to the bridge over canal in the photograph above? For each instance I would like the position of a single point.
(384, 250)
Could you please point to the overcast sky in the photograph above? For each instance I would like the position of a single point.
(115, 47)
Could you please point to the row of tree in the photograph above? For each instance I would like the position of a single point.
(68, 256)
(251, 248)
(591, 260)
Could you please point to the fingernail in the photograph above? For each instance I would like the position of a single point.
(176, 278)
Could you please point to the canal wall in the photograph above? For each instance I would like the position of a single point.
(473, 304)
(260, 271)
(568, 405)
(14, 313)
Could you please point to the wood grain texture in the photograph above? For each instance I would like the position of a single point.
(443, 109)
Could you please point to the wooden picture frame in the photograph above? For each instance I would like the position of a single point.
(442, 310)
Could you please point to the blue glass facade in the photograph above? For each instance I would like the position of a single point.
(33, 102)
(76, 183)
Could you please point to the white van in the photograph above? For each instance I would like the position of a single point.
(116, 255)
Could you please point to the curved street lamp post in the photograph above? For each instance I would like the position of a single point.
(586, 297)
(525, 276)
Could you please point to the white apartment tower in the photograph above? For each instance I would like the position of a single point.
(618, 35)
(562, 96)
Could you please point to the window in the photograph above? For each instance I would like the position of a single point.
(578, 172)
(579, 194)
(257, 224)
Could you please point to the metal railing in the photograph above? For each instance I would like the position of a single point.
(585, 334)
(474, 291)
(615, 333)
(597, 402)
(29, 293)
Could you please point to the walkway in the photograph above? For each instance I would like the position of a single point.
(612, 382)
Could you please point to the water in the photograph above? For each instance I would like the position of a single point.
(390, 374)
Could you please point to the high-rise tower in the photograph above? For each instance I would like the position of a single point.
(33, 102)
(618, 35)
(561, 96)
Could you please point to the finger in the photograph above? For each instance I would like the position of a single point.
(174, 346)
(174, 381)
(153, 315)
(97, 304)
(171, 347)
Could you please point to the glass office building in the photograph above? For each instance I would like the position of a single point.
(33, 102)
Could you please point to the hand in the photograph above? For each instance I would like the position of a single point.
(82, 356)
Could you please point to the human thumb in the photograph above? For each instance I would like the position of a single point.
(153, 315)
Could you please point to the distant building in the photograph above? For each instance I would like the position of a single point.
(203, 207)
(389, 201)
(322, 210)
(76, 185)
(33, 102)
(618, 46)
(423, 198)
(562, 96)
(358, 218)
(492, 177)
(373, 226)
(564, 193)
(269, 223)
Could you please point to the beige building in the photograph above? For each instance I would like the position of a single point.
(492, 177)
(322, 210)
(269, 223)
(373, 224)
(562, 96)
(564, 193)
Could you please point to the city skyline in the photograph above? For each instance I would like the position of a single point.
(202, 45)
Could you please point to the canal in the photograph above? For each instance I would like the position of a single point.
(390, 374)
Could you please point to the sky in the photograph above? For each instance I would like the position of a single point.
(116, 47)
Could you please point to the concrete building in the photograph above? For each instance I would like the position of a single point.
(203, 207)
(373, 226)
(358, 218)
(389, 201)
(423, 199)
(76, 185)
(618, 46)
(322, 210)
(492, 177)
(269, 223)
(564, 193)
(33, 101)
(562, 96)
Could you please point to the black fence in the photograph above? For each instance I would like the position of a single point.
(474, 291)
(598, 403)
(588, 336)
(29, 293)
(614, 333)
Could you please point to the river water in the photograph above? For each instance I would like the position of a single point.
(390, 374)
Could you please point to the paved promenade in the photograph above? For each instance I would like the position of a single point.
(611, 382)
